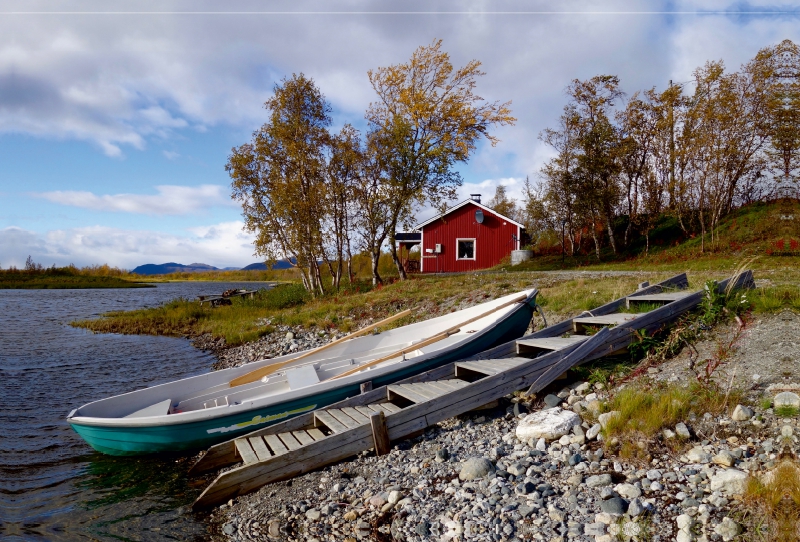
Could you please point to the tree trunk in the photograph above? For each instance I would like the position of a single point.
(393, 250)
(596, 240)
(611, 239)
(375, 256)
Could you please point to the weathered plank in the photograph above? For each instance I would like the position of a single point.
(343, 418)
(411, 395)
(260, 448)
(303, 437)
(275, 444)
(288, 439)
(666, 297)
(315, 433)
(330, 422)
(245, 451)
(355, 414)
(547, 343)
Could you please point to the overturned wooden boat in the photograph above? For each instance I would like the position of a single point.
(394, 412)
(199, 411)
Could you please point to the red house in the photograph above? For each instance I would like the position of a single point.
(467, 237)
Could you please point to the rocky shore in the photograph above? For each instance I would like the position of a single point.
(507, 474)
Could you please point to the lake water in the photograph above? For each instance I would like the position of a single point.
(53, 486)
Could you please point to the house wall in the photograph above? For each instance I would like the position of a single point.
(493, 240)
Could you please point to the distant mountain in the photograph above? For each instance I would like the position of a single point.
(172, 267)
(261, 266)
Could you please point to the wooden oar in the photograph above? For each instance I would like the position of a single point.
(430, 340)
(260, 373)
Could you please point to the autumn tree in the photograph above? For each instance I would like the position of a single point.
(429, 119)
(280, 178)
(503, 203)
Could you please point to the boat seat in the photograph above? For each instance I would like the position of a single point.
(159, 409)
(301, 377)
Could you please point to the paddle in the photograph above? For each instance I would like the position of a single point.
(430, 340)
(261, 372)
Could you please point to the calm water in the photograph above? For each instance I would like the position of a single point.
(53, 486)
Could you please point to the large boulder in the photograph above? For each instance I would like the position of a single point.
(729, 482)
(548, 424)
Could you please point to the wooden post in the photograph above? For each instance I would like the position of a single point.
(643, 285)
(366, 386)
(380, 434)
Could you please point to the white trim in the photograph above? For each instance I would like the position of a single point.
(421, 251)
(474, 248)
(461, 204)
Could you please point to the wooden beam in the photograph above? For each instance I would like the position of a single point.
(380, 434)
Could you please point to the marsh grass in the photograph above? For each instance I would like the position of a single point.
(772, 504)
(646, 409)
(786, 411)
(774, 299)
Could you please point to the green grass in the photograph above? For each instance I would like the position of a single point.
(772, 504)
(786, 411)
(647, 408)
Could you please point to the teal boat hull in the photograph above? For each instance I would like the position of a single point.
(140, 440)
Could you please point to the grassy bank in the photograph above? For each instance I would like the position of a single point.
(427, 296)
(62, 278)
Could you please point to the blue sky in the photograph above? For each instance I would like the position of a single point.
(115, 127)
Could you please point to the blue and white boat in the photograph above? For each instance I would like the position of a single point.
(200, 411)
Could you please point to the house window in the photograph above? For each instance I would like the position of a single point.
(465, 249)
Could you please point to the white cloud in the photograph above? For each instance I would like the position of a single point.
(133, 78)
(220, 245)
(170, 200)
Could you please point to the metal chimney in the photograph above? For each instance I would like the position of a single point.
(475, 197)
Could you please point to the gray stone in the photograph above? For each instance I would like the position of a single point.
(629, 491)
(653, 474)
(742, 413)
(442, 455)
(394, 497)
(574, 459)
(552, 400)
(549, 424)
(423, 529)
(728, 529)
(593, 431)
(228, 529)
(729, 482)
(614, 505)
(475, 467)
(313, 514)
(786, 399)
(698, 455)
(682, 431)
(599, 480)
(635, 508)
(724, 458)
(289, 336)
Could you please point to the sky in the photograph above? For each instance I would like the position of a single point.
(115, 126)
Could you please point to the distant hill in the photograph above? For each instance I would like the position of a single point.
(261, 266)
(172, 267)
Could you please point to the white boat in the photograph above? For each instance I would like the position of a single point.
(200, 411)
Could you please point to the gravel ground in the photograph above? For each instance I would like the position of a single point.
(764, 357)
(472, 478)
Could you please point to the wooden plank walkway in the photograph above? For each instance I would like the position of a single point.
(313, 440)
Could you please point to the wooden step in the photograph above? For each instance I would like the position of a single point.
(538, 345)
(667, 297)
(614, 319)
(489, 367)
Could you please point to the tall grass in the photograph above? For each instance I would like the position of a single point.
(773, 504)
(645, 410)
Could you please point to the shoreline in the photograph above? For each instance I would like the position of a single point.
(568, 487)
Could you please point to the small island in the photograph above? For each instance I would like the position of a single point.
(36, 277)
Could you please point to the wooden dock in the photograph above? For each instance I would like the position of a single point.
(217, 300)
(390, 413)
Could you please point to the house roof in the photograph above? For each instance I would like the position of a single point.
(463, 203)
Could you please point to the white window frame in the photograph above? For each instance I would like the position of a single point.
(474, 248)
